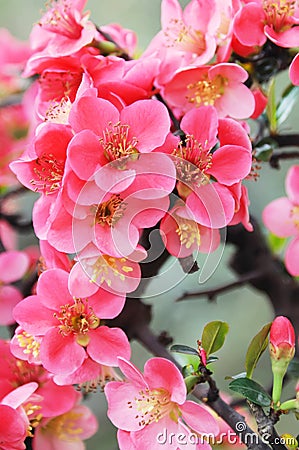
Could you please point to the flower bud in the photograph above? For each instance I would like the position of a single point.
(282, 350)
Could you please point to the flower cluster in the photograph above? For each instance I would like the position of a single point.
(117, 145)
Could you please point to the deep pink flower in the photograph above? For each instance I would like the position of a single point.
(272, 19)
(14, 423)
(221, 86)
(212, 204)
(63, 29)
(13, 265)
(146, 404)
(70, 327)
(281, 216)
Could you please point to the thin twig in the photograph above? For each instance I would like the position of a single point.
(277, 156)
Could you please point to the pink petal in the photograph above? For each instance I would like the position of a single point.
(170, 9)
(80, 284)
(85, 147)
(292, 184)
(13, 265)
(122, 413)
(198, 418)
(61, 354)
(89, 370)
(277, 216)
(294, 71)
(50, 392)
(31, 307)
(229, 103)
(249, 25)
(106, 305)
(230, 164)
(113, 180)
(92, 113)
(145, 117)
(124, 440)
(10, 296)
(151, 436)
(292, 257)
(52, 289)
(60, 235)
(12, 426)
(202, 123)
(230, 132)
(132, 373)
(19, 395)
(106, 344)
(286, 39)
(161, 373)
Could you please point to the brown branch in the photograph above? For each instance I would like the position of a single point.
(277, 156)
(212, 293)
(286, 140)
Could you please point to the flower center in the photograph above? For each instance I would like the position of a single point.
(77, 319)
(65, 427)
(116, 142)
(295, 216)
(48, 172)
(59, 112)
(106, 268)
(184, 37)
(194, 161)
(27, 342)
(153, 405)
(109, 212)
(278, 13)
(205, 92)
(34, 417)
(60, 19)
(187, 231)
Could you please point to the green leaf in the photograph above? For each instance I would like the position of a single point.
(212, 359)
(178, 348)
(213, 336)
(263, 150)
(191, 381)
(288, 101)
(251, 390)
(256, 348)
(271, 107)
(276, 243)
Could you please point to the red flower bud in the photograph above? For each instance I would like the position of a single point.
(282, 339)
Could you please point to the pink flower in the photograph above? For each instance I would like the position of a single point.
(63, 29)
(212, 204)
(220, 85)
(146, 404)
(14, 423)
(281, 216)
(13, 265)
(66, 431)
(70, 327)
(262, 19)
(261, 101)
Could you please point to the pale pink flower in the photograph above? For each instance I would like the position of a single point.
(126, 39)
(13, 266)
(273, 19)
(66, 431)
(281, 216)
(221, 86)
(70, 327)
(146, 404)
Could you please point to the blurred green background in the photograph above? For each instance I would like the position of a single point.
(244, 309)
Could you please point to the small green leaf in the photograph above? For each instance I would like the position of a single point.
(263, 150)
(213, 336)
(251, 390)
(191, 381)
(276, 243)
(288, 101)
(256, 348)
(178, 348)
(271, 107)
(212, 359)
(188, 370)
